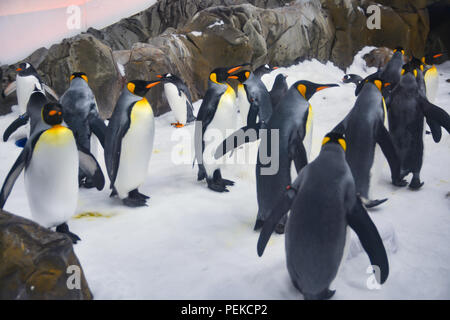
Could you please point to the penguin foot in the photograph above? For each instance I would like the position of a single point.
(113, 193)
(177, 124)
(218, 187)
(258, 225)
(134, 203)
(279, 228)
(416, 184)
(324, 295)
(135, 194)
(399, 182)
(64, 228)
(86, 183)
(227, 182)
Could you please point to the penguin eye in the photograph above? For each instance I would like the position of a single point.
(343, 144)
(131, 86)
(85, 78)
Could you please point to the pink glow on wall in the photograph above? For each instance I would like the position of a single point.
(26, 25)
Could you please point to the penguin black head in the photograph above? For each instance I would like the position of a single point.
(400, 50)
(241, 76)
(335, 137)
(434, 58)
(141, 87)
(412, 66)
(26, 69)
(23, 66)
(52, 113)
(351, 78)
(264, 69)
(168, 77)
(220, 75)
(81, 75)
(308, 88)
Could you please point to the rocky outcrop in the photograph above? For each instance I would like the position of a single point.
(34, 262)
(191, 37)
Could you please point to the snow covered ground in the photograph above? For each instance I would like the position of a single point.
(193, 243)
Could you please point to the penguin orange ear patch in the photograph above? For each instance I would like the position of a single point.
(302, 89)
(213, 77)
(325, 140)
(131, 86)
(415, 73)
(403, 72)
(247, 74)
(71, 77)
(343, 144)
(378, 84)
(85, 78)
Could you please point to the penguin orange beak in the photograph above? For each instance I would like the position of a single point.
(274, 68)
(19, 69)
(321, 88)
(387, 84)
(233, 77)
(150, 85)
(234, 69)
(437, 55)
(159, 76)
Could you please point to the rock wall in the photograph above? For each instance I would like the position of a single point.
(191, 37)
(34, 262)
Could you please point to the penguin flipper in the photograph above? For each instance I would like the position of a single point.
(20, 121)
(436, 117)
(9, 89)
(190, 112)
(99, 128)
(50, 91)
(12, 176)
(384, 140)
(359, 220)
(281, 207)
(244, 135)
(297, 153)
(113, 147)
(90, 167)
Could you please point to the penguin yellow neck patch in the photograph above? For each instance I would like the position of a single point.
(141, 109)
(56, 135)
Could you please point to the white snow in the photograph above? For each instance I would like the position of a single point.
(196, 33)
(193, 243)
(217, 23)
(121, 69)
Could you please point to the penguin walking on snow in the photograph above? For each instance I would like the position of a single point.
(51, 161)
(129, 143)
(323, 204)
(408, 106)
(179, 99)
(81, 115)
(290, 128)
(215, 116)
(364, 126)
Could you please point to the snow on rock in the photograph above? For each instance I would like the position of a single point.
(193, 243)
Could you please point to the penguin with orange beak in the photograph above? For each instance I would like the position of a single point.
(129, 143)
(288, 130)
(216, 115)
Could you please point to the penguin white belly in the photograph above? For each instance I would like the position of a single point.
(431, 83)
(222, 125)
(51, 178)
(137, 146)
(25, 86)
(176, 102)
(243, 104)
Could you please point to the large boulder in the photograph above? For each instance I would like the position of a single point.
(35, 262)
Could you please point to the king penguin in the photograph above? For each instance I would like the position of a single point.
(81, 115)
(284, 139)
(179, 99)
(263, 69)
(215, 116)
(323, 205)
(129, 143)
(27, 79)
(51, 161)
(408, 106)
(431, 76)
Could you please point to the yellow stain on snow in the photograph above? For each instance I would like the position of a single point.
(92, 215)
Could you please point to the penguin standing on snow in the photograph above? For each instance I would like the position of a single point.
(364, 126)
(407, 108)
(81, 115)
(323, 205)
(27, 79)
(293, 124)
(431, 75)
(179, 99)
(51, 160)
(129, 143)
(215, 116)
